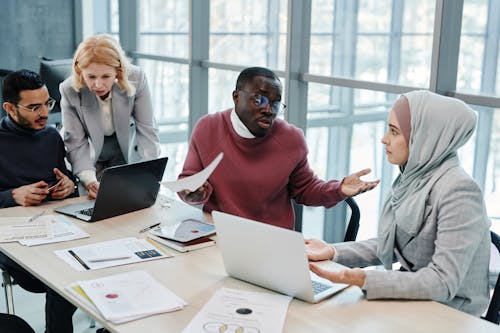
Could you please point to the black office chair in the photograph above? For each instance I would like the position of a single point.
(7, 283)
(53, 72)
(494, 307)
(11, 323)
(352, 227)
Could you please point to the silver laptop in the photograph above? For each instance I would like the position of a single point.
(269, 256)
(123, 189)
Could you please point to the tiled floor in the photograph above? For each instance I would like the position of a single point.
(30, 307)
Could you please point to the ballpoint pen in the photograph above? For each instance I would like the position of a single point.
(150, 227)
(34, 217)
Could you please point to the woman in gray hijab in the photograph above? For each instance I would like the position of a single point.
(433, 222)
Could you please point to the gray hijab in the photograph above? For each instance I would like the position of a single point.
(439, 126)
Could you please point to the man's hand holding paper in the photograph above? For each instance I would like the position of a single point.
(195, 196)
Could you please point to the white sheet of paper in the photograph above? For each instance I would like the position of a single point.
(62, 230)
(78, 292)
(103, 253)
(130, 295)
(138, 250)
(231, 310)
(13, 229)
(193, 182)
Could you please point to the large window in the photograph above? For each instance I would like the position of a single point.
(348, 62)
(168, 84)
(221, 84)
(383, 41)
(164, 32)
(164, 27)
(478, 73)
(250, 33)
(378, 41)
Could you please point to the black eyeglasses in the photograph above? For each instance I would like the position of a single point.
(38, 107)
(262, 101)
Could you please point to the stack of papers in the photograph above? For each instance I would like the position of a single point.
(42, 230)
(184, 231)
(111, 253)
(196, 244)
(62, 230)
(127, 296)
(15, 229)
(186, 235)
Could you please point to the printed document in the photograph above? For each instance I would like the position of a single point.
(111, 253)
(128, 296)
(232, 310)
(13, 229)
(193, 182)
(78, 292)
(62, 230)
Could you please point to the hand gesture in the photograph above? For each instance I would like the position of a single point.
(317, 250)
(352, 185)
(30, 195)
(64, 186)
(195, 196)
(352, 276)
(93, 189)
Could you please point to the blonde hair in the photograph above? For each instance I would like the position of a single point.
(102, 49)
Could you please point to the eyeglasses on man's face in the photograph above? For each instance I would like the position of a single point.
(37, 108)
(262, 102)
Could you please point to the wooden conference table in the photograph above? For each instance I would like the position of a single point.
(195, 276)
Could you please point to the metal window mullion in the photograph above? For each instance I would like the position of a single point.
(129, 26)
(488, 82)
(101, 17)
(199, 37)
(272, 33)
(491, 51)
(394, 70)
(297, 61)
(446, 46)
(340, 137)
(395, 40)
(83, 20)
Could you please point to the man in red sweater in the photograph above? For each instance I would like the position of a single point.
(265, 159)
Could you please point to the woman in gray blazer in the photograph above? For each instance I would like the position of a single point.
(107, 112)
(433, 222)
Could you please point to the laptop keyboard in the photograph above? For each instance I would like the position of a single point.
(87, 211)
(319, 287)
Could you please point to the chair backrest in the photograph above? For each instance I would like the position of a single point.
(494, 307)
(353, 226)
(11, 323)
(53, 72)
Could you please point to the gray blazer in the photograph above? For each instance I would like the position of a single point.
(449, 257)
(133, 119)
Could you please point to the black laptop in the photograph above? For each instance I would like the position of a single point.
(123, 189)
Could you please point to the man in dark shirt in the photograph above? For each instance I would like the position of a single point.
(32, 170)
(32, 154)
